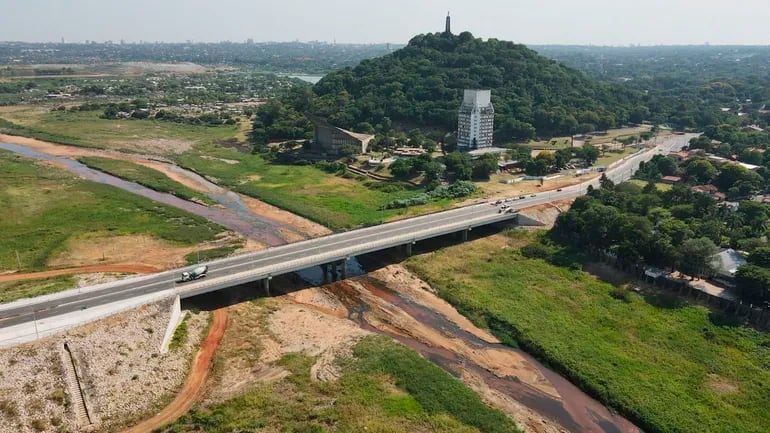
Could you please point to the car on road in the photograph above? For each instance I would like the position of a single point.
(522, 197)
(533, 195)
(558, 190)
(498, 202)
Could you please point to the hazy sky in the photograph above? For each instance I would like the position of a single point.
(598, 22)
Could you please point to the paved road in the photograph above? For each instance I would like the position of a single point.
(292, 257)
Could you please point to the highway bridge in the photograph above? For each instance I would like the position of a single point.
(28, 319)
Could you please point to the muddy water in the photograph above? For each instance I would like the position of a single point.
(575, 411)
(234, 214)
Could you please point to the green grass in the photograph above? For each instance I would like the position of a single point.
(13, 290)
(44, 207)
(667, 365)
(611, 156)
(385, 388)
(326, 198)
(85, 128)
(659, 185)
(210, 254)
(180, 335)
(145, 176)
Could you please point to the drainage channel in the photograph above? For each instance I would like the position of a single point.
(76, 389)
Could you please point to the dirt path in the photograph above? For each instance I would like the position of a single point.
(194, 386)
(128, 268)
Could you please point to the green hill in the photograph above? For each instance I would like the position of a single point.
(421, 85)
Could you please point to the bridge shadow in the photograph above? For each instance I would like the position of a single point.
(305, 279)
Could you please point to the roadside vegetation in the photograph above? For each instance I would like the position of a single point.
(337, 200)
(385, 387)
(13, 290)
(87, 128)
(210, 254)
(666, 365)
(44, 207)
(145, 176)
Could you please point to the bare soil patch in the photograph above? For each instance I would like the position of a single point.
(722, 385)
(137, 250)
(124, 268)
(271, 212)
(157, 146)
(194, 385)
(124, 373)
(547, 213)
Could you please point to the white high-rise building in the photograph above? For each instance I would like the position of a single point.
(475, 121)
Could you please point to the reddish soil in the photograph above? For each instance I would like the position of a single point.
(194, 386)
(129, 268)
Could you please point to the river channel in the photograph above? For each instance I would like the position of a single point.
(231, 211)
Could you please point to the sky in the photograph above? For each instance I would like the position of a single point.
(533, 22)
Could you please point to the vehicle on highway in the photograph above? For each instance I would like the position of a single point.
(195, 274)
(533, 195)
(498, 202)
(509, 210)
(558, 190)
(521, 197)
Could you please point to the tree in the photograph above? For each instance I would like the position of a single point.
(485, 165)
(459, 164)
(402, 168)
(696, 257)
(589, 154)
(760, 257)
(701, 170)
(753, 283)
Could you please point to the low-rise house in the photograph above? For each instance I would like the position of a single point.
(727, 262)
(671, 179)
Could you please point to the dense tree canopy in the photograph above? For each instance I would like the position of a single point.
(422, 85)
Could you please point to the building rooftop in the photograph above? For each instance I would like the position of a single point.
(728, 261)
(485, 150)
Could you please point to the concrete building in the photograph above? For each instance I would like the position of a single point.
(475, 121)
(331, 141)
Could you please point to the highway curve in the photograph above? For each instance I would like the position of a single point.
(194, 386)
(127, 268)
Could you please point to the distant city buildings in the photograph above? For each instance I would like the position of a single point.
(475, 121)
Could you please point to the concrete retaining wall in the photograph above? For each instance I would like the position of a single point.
(174, 320)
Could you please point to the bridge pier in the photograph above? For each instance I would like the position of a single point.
(344, 268)
(334, 272)
(325, 272)
(464, 235)
(408, 248)
(266, 284)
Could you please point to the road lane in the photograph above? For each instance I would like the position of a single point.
(68, 302)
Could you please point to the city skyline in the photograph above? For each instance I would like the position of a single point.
(618, 23)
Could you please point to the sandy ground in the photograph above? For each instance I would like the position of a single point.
(125, 268)
(143, 250)
(194, 385)
(547, 213)
(124, 373)
(315, 320)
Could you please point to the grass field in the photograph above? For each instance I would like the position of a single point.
(326, 198)
(11, 291)
(43, 207)
(660, 185)
(146, 176)
(87, 129)
(667, 365)
(611, 156)
(384, 388)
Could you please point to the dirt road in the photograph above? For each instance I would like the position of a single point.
(194, 386)
(128, 268)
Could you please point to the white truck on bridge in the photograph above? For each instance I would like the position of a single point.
(195, 274)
